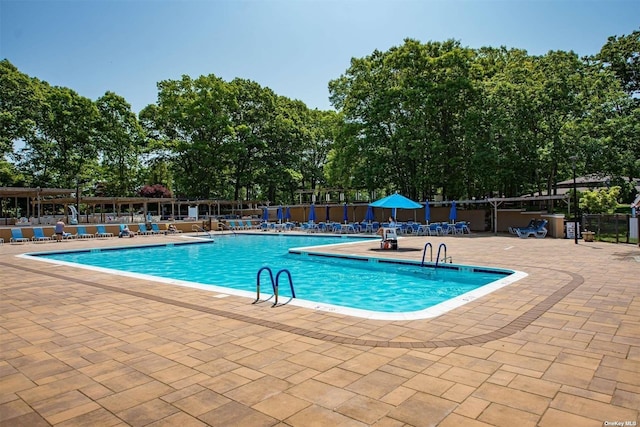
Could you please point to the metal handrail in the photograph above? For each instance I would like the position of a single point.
(442, 245)
(293, 292)
(197, 228)
(273, 284)
(424, 253)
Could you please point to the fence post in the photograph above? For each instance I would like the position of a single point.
(628, 223)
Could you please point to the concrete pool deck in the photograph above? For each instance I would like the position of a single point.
(559, 347)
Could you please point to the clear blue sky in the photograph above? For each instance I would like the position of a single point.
(295, 47)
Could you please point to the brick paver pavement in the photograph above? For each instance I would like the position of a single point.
(559, 347)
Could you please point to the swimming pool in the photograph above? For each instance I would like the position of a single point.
(361, 286)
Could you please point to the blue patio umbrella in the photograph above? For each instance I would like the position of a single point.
(265, 214)
(453, 212)
(328, 217)
(312, 213)
(279, 213)
(427, 212)
(287, 214)
(396, 201)
(345, 213)
(369, 215)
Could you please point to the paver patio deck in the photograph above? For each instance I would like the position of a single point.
(559, 347)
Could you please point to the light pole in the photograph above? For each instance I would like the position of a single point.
(575, 201)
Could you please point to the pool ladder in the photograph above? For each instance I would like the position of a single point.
(430, 246)
(275, 284)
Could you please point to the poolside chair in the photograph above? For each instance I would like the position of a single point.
(423, 230)
(102, 231)
(434, 229)
(539, 231)
(461, 228)
(81, 233)
(38, 235)
(142, 229)
(414, 228)
(156, 229)
(65, 235)
(532, 224)
(17, 237)
(125, 231)
(352, 228)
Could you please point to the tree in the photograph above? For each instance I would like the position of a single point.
(21, 100)
(622, 54)
(600, 201)
(120, 142)
(154, 191)
(191, 119)
(62, 150)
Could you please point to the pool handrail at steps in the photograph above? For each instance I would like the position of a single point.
(274, 284)
(198, 229)
(442, 245)
(424, 253)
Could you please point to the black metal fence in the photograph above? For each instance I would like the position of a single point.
(610, 228)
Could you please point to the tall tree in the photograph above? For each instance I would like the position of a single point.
(192, 118)
(120, 140)
(63, 149)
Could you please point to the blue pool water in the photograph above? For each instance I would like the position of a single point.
(233, 262)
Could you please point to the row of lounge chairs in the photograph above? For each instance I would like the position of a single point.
(416, 229)
(242, 225)
(81, 233)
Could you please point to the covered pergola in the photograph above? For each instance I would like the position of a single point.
(35, 198)
(38, 198)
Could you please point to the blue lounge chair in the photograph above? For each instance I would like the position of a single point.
(38, 235)
(156, 229)
(423, 230)
(102, 231)
(461, 228)
(532, 224)
(447, 228)
(435, 229)
(125, 231)
(17, 237)
(142, 229)
(539, 231)
(81, 233)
